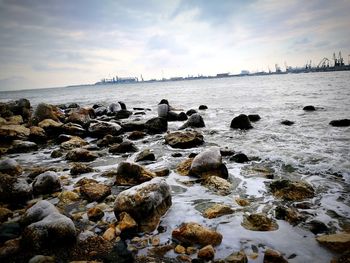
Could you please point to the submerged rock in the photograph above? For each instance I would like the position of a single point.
(287, 122)
(254, 117)
(194, 121)
(339, 242)
(146, 203)
(309, 108)
(156, 125)
(237, 257)
(10, 167)
(195, 234)
(81, 155)
(340, 123)
(241, 122)
(132, 174)
(259, 222)
(46, 183)
(292, 190)
(184, 140)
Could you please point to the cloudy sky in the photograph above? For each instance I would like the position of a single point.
(63, 42)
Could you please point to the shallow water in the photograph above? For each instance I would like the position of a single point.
(311, 150)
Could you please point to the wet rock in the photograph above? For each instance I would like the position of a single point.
(206, 252)
(146, 203)
(343, 258)
(19, 146)
(20, 107)
(239, 158)
(192, 233)
(51, 127)
(100, 111)
(226, 152)
(81, 155)
(172, 116)
(237, 257)
(184, 140)
(136, 135)
(191, 112)
(16, 120)
(273, 256)
(161, 172)
(317, 227)
(46, 183)
(184, 167)
(194, 121)
(340, 123)
(217, 210)
(254, 117)
(126, 223)
(309, 108)
(242, 202)
(109, 234)
(45, 111)
(84, 181)
(109, 140)
(10, 167)
(291, 215)
(180, 249)
(145, 155)
(73, 129)
(93, 248)
(101, 128)
(209, 163)
(114, 108)
(5, 214)
(119, 253)
(124, 147)
(67, 197)
(95, 192)
(218, 185)
(37, 134)
(287, 122)
(73, 142)
(292, 190)
(95, 214)
(56, 153)
(14, 190)
(133, 126)
(81, 116)
(80, 168)
(241, 122)
(163, 110)
(123, 114)
(42, 259)
(259, 222)
(203, 107)
(339, 242)
(182, 116)
(12, 132)
(10, 249)
(156, 125)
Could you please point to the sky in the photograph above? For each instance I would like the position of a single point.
(57, 43)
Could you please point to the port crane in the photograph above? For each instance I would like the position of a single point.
(324, 63)
(338, 62)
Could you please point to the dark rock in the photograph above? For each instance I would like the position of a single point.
(114, 108)
(109, 140)
(132, 174)
(80, 155)
(254, 117)
(292, 190)
(56, 153)
(203, 107)
(237, 257)
(10, 167)
(19, 146)
(164, 101)
(133, 126)
(95, 192)
(161, 172)
(287, 122)
(101, 128)
(338, 242)
(63, 138)
(317, 227)
(119, 254)
(14, 190)
(11, 132)
(42, 259)
(176, 155)
(81, 116)
(191, 112)
(184, 140)
(122, 105)
(5, 214)
(172, 116)
(218, 185)
(184, 167)
(226, 152)
(340, 123)
(123, 147)
(136, 135)
(241, 122)
(182, 116)
(156, 125)
(239, 158)
(291, 215)
(95, 214)
(273, 256)
(123, 114)
(45, 111)
(95, 106)
(73, 129)
(163, 110)
(9, 230)
(145, 155)
(37, 134)
(80, 168)
(99, 111)
(21, 107)
(51, 127)
(309, 108)
(46, 183)
(194, 121)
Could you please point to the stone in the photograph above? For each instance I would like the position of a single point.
(239, 158)
(123, 114)
(101, 128)
(163, 110)
(12, 132)
(84, 181)
(42, 259)
(10, 167)
(37, 134)
(287, 122)
(133, 126)
(259, 222)
(161, 172)
(145, 155)
(273, 256)
(57, 153)
(254, 117)
(191, 112)
(203, 107)
(95, 192)
(338, 242)
(10, 249)
(73, 129)
(218, 185)
(184, 140)
(184, 167)
(241, 122)
(67, 197)
(5, 214)
(81, 116)
(194, 121)
(114, 108)
(21, 107)
(46, 183)
(209, 163)
(19, 146)
(156, 125)
(99, 111)
(146, 203)
(132, 174)
(80, 155)
(92, 248)
(95, 214)
(136, 135)
(124, 147)
(340, 123)
(237, 257)
(242, 202)
(291, 215)
(217, 210)
(14, 190)
(195, 234)
(109, 234)
(309, 108)
(172, 116)
(109, 140)
(50, 126)
(16, 120)
(182, 116)
(206, 252)
(180, 249)
(291, 190)
(80, 168)
(126, 223)
(45, 111)
(317, 227)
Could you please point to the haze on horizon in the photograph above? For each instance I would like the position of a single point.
(58, 43)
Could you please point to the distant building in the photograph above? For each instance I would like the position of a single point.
(244, 72)
(222, 75)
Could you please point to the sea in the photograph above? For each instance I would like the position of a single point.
(310, 150)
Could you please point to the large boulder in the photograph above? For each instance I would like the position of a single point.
(10, 167)
(81, 116)
(81, 155)
(14, 190)
(45, 111)
(146, 203)
(184, 140)
(156, 125)
(46, 183)
(209, 163)
(339, 242)
(132, 174)
(51, 126)
(195, 234)
(101, 128)
(194, 121)
(37, 134)
(73, 129)
(19, 146)
(241, 122)
(12, 132)
(21, 107)
(340, 123)
(292, 190)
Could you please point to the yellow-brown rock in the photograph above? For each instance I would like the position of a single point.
(206, 252)
(339, 242)
(217, 210)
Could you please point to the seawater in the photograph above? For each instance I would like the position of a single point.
(310, 150)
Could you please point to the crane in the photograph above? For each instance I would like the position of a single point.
(324, 63)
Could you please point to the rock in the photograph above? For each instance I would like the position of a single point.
(10, 167)
(163, 110)
(42, 259)
(254, 117)
(146, 203)
(16, 120)
(95, 214)
(73, 129)
(209, 163)
(182, 116)
(136, 135)
(172, 116)
(95, 192)
(109, 140)
(218, 184)
(184, 140)
(21, 107)
(126, 223)
(237, 257)
(19, 146)
(114, 108)
(123, 147)
(123, 114)
(184, 167)
(101, 128)
(340, 123)
(80, 155)
(5, 214)
(273, 256)
(133, 126)
(12, 132)
(242, 202)
(56, 153)
(37, 134)
(241, 122)
(94, 247)
(164, 101)
(291, 215)
(81, 116)
(226, 152)
(191, 112)
(317, 227)
(259, 222)
(339, 242)
(45, 111)
(10, 249)
(180, 249)
(80, 168)
(84, 181)
(145, 155)
(109, 234)
(67, 197)
(14, 190)
(64, 137)
(239, 158)
(46, 183)
(51, 127)
(292, 190)
(309, 108)
(156, 125)
(99, 111)
(203, 107)
(195, 234)
(161, 172)
(287, 122)
(217, 210)
(206, 252)
(194, 121)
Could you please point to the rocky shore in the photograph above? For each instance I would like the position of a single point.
(112, 178)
